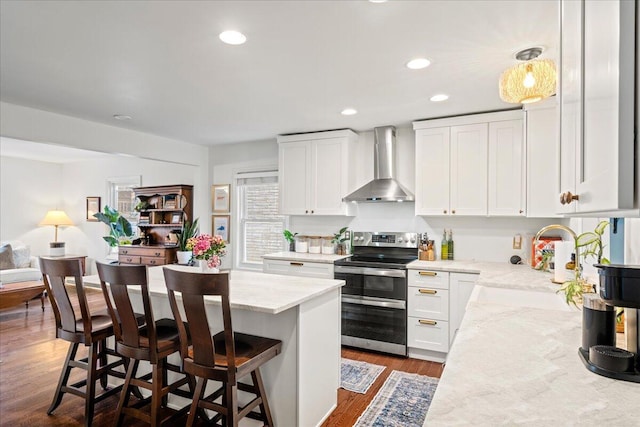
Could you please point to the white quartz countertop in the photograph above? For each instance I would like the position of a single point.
(495, 274)
(254, 291)
(517, 365)
(302, 256)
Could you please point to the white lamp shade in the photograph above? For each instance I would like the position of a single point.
(56, 218)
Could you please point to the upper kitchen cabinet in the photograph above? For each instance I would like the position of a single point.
(476, 165)
(315, 172)
(542, 134)
(598, 151)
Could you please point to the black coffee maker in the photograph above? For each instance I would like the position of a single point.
(619, 287)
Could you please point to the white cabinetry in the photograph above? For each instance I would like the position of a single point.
(507, 191)
(543, 131)
(476, 165)
(315, 172)
(428, 314)
(298, 268)
(597, 114)
(460, 288)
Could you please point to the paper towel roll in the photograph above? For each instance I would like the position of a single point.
(562, 255)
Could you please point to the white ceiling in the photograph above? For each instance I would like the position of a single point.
(10, 147)
(304, 61)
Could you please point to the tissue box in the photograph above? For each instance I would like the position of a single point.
(545, 243)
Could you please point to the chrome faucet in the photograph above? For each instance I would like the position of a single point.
(568, 230)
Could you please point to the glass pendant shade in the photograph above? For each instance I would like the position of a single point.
(528, 82)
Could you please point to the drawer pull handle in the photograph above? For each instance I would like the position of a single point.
(428, 291)
(428, 322)
(157, 253)
(427, 273)
(296, 264)
(124, 252)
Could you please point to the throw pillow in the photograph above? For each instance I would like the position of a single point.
(22, 256)
(6, 258)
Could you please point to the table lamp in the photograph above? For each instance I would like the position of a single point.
(56, 218)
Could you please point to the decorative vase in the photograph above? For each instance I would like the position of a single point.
(184, 257)
(204, 267)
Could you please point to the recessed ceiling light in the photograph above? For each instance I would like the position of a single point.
(418, 63)
(121, 117)
(233, 37)
(349, 112)
(439, 97)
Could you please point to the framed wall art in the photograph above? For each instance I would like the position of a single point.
(220, 226)
(221, 198)
(93, 206)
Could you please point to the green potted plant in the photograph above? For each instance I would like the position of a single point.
(290, 237)
(188, 230)
(591, 241)
(339, 238)
(120, 231)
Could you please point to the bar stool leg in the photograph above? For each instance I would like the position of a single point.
(124, 393)
(197, 395)
(264, 406)
(64, 377)
(92, 363)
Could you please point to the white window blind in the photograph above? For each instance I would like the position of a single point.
(260, 225)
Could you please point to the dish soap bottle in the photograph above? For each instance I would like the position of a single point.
(450, 246)
(444, 248)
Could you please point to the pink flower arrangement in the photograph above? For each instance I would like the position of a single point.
(209, 248)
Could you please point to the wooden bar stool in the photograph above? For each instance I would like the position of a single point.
(225, 356)
(153, 342)
(89, 329)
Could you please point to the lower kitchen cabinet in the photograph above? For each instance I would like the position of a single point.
(460, 288)
(436, 302)
(298, 268)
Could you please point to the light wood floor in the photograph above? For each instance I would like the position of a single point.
(31, 359)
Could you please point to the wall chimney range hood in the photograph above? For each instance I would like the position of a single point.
(384, 187)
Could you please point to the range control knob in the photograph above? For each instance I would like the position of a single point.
(400, 239)
(413, 239)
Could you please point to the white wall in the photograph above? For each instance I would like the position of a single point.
(632, 241)
(227, 161)
(29, 189)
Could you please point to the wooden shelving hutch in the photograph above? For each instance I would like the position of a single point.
(164, 208)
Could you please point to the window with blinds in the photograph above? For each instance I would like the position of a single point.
(260, 225)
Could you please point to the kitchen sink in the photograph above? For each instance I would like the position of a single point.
(520, 298)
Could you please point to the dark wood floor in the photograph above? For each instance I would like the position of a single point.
(31, 358)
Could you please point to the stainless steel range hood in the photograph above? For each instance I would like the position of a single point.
(384, 187)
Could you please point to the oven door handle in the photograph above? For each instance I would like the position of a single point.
(367, 271)
(374, 302)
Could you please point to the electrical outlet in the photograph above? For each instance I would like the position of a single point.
(517, 241)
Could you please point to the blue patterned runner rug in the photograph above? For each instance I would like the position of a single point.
(358, 376)
(402, 401)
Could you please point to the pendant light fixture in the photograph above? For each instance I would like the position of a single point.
(529, 81)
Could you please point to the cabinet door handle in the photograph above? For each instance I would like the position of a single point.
(427, 273)
(307, 211)
(521, 211)
(453, 211)
(444, 211)
(311, 211)
(296, 264)
(568, 197)
(428, 322)
(428, 291)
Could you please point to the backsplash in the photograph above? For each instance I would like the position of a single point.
(476, 238)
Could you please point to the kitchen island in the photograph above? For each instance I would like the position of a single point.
(304, 313)
(513, 364)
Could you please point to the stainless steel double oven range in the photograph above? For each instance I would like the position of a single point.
(374, 299)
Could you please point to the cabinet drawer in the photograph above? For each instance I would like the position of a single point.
(150, 251)
(128, 259)
(148, 260)
(431, 303)
(298, 268)
(428, 278)
(428, 334)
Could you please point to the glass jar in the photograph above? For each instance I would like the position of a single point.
(302, 244)
(315, 244)
(328, 247)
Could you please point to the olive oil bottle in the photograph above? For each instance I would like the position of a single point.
(444, 247)
(450, 245)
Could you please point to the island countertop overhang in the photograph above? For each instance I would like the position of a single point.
(249, 290)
